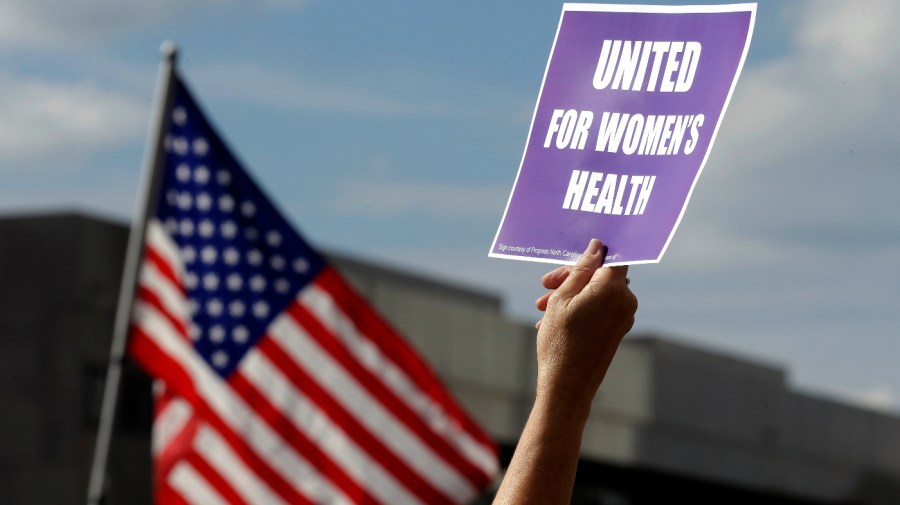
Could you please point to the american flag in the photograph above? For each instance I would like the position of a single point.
(276, 382)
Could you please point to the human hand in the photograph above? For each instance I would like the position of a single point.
(588, 311)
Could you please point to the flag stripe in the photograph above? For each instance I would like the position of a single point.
(156, 360)
(164, 247)
(216, 451)
(360, 393)
(213, 478)
(438, 409)
(299, 441)
(414, 371)
(307, 416)
(384, 381)
(233, 412)
(155, 258)
(170, 421)
(153, 277)
(185, 480)
(372, 438)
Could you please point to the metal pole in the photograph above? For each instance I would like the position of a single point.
(154, 157)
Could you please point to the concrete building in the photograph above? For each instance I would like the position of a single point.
(670, 422)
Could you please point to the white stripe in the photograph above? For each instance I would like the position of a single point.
(229, 465)
(322, 305)
(162, 243)
(192, 486)
(368, 410)
(235, 412)
(172, 298)
(308, 418)
(169, 423)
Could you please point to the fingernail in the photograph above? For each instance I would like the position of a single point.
(593, 247)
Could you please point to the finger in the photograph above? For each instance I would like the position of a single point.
(611, 275)
(581, 272)
(554, 278)
(541, 303)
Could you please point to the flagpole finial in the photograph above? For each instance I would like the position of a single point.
(168, 49)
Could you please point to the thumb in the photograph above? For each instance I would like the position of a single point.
(582, 271)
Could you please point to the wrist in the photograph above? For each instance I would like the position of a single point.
(569, 404)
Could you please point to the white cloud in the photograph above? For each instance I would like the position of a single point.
(47, 122)
(807, 151)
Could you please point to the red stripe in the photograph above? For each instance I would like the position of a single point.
(376, 388)
(177, 447)
(216, 481)
(161, 400)
(372, 445)
(152, 256)
(393, 346)
(298, 440)
(165, 495)
(158, 363)
(150, 298)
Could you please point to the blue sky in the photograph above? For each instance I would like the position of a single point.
(393, 131)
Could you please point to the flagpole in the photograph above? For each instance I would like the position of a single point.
(154, 157)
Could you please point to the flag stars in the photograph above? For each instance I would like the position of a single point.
(210, 282)
(277, 262)
(200, 146)
(282, 285)
(231, 256)
(179, 116)
(204, 202)
(273, 238)
(234, 282)
(201, 175)
(254, 257)
(208, 254)
(301, 265)
(185, 200)
(220, 359)
(228, 229)
(248, 209)
(260, 309)
(251, 234)
(214, 307)
(180, 146)
(226, 203)
(206, 229)
(188, 254)
(240, 334)
(258, 283)
(190, 280)
(236, 308)
(217, 334)
(194, 332)
(186, 227)
(183, 172)
(223, 177)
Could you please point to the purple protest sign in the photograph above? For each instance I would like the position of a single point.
(630, 105)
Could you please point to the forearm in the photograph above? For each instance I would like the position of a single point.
(587, 312)
(543, 467)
